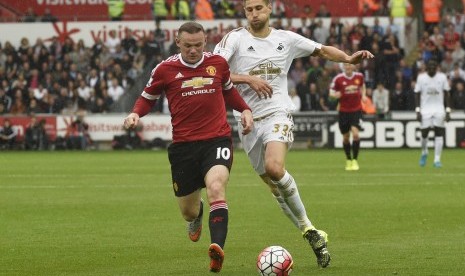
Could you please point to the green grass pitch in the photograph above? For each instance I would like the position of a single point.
(114, 213)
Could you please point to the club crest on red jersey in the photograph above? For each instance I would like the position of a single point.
(211, 70)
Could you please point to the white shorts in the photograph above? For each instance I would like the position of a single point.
(277, 126)
(433, 119)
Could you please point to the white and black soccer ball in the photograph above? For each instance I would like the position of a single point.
(274, 261)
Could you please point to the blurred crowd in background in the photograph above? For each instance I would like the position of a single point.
(74, 78)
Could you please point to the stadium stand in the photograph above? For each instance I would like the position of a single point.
(70, 77)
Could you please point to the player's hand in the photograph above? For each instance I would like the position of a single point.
(358, 56)
(246, 121)
(419, 116)
(261, 87)
(131, 121)
(447, 116)
(336, 95)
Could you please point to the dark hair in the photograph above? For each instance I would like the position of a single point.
(191, 27)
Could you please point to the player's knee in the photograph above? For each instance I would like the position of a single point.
(275, 170)
(189, 214)
(216, 191)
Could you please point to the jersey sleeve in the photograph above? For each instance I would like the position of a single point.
(228, 45)
(417, 88)
(446, 86)
(155, 85)
(302, 45)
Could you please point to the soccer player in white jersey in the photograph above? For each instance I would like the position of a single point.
(431, 92)
(259, 57)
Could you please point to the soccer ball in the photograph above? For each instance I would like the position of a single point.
(274, 261)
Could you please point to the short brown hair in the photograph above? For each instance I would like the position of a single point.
(191, 27)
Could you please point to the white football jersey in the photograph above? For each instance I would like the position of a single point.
(268, 58)
(432, 91)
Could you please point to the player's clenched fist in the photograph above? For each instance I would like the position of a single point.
(131, 120)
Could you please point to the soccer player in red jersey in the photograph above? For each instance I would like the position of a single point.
(197, 85)
(349, 88)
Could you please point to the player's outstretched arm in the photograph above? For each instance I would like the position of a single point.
(260, 86)
(336, 55)
(142, 107)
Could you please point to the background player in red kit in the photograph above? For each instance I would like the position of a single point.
(197, 85)
(349, 88)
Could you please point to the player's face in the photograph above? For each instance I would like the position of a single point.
(191, 46)
(349, 69)
(431, 68)
(257, 13)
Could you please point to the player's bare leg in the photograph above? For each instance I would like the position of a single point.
(191, 207)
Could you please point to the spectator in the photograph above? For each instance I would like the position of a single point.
(112, 41)
(48, 16)
(457, 74)
(160, 10)
(30, 15)
(115, 90)
(84, 91)
(33, 107)
(18, 106)
(381, 100)
(398, 99)
(278, 9)
(203, 10)
(400, 8)
(7, 135)
(116, 9)
(180, 10)
(323, 11)
(160, 37)
(458, 54)
(431, 13)
(458, 96)
(447, 64)
(36, 137)
(450, 38)
(368, 7)
(77, 135)
(302, 90)
(5, 100)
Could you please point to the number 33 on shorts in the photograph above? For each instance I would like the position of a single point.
(284, 130)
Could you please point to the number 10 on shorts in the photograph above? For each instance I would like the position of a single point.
(224, 153)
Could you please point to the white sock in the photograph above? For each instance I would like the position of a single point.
(288, 189)
(438, 145)
(424, 146)
(283, 205)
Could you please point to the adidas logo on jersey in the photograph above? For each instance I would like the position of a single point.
(179, 75)
(250, 49)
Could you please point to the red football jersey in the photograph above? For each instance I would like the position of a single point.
(351, 91)
(195, 96)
